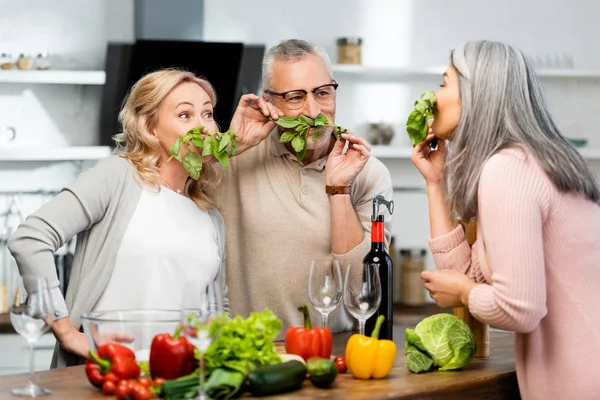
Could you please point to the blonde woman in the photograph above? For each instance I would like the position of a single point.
(138, 217)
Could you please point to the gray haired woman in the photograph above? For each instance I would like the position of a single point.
(535, 267)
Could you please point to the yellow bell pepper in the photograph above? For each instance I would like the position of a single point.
(369, 357)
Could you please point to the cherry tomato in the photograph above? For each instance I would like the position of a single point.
(141, 392)
(109, 387)
(122, 390)
(340, 363)
(145, 381)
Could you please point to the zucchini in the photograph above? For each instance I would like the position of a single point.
(277, 378)
(322, 371)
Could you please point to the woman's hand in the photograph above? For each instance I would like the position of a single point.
(448, 288)
(430, 163)
(76, 342)
(251, 121)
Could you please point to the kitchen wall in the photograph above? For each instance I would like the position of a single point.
(75, 34)
(421, 34)
(395, 33)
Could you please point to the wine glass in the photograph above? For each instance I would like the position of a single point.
(202, 318)
(31, 316)
(362, 292)
(325, 286)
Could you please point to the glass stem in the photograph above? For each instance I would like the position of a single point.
(31, 363)
(202, 393)
(361, 326)
(324, 319)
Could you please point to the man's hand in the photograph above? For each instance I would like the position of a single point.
(251, 121)
(341, 169)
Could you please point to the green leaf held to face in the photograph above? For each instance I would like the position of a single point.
(176, 150)
(192, 163)
(417, 123)
(215, 144)
(296, 128)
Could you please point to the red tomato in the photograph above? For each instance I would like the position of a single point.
(340, 363)
(109, 387)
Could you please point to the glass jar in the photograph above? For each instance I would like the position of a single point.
(7, 61)
(24, 61)
(42, 61)
(412, 264)
(349, 50)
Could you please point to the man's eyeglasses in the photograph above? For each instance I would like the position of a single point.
(295, 99)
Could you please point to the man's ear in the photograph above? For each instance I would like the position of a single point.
(266, 97)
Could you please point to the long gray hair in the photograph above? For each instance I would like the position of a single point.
(503, 106)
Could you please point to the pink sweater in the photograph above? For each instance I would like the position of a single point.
(538, 275)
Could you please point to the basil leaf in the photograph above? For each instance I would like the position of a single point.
(299, 143)
(340, 130)
(192, 164)
(321, 120)
(176, 149)
(224, 142)
(306, 120)
(206, 148)
(233, 145)
(198, 142)
(300, 155)
(317, 133)
(286, 122)
(222, 157)
(286, 137)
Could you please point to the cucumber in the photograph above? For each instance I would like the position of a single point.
(278, 378)
(322, 371)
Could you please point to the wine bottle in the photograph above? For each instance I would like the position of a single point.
(381, 260)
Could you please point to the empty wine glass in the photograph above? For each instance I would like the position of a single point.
(31, 316)
(202, 318)
(325, 286)
(362, 292)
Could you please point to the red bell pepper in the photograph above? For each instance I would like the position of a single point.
(112, 359)
(307, 341)
(172, 357)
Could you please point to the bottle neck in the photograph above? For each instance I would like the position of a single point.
(377, 234)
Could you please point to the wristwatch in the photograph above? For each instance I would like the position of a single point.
(337, 189)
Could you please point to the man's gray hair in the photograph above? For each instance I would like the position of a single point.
(503, 105)
(290, 51)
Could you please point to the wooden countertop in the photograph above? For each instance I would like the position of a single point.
(490, 378)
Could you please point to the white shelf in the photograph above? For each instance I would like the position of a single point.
(53, 77)
(381, 74)
(74, 153)
(405, 152)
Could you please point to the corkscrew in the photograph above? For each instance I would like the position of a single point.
(377, 201)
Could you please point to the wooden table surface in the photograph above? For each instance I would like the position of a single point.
(490, 378)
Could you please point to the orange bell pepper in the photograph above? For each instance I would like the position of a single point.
(307, 341)
(368, 357)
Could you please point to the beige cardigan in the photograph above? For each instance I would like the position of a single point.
(97, 207)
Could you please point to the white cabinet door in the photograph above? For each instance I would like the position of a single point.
(14, 353)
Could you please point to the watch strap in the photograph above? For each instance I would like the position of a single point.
(337, 189)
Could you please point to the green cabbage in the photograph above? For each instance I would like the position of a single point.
(440, 341)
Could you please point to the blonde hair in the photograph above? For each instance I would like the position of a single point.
(139, 116)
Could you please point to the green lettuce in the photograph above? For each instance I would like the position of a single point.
(440, 341)
(243, 345)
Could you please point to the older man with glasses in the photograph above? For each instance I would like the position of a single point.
(281, 214)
